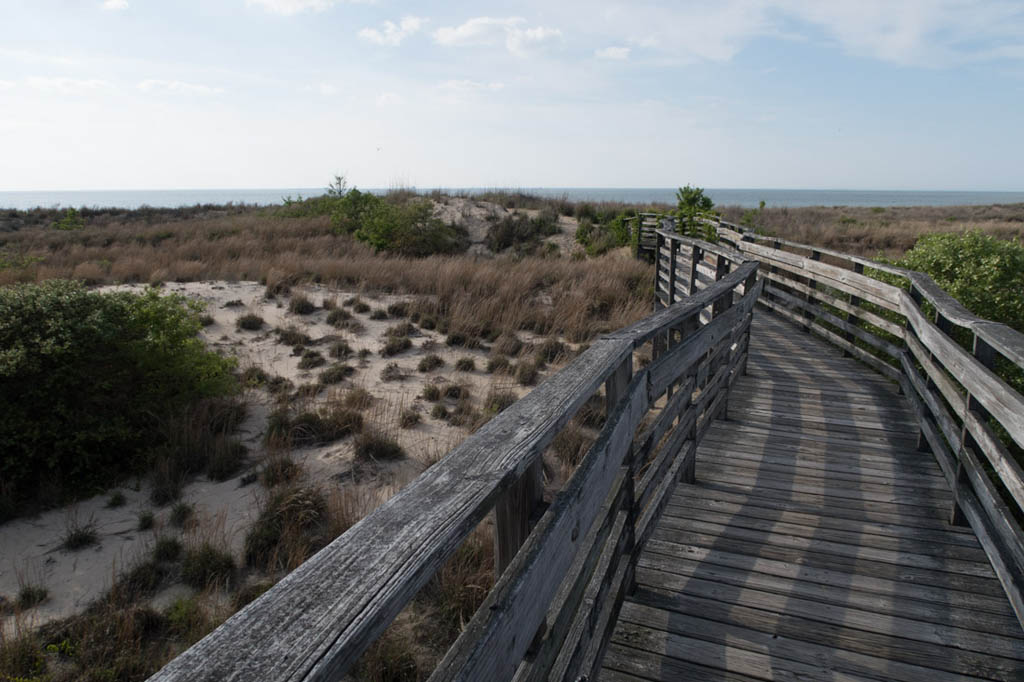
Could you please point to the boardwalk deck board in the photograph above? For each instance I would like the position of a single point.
(814, 543)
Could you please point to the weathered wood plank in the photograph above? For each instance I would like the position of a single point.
(516, 606)
(364, 578)
(1002, 402)
(994, 611)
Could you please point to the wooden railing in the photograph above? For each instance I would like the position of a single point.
(566, 567)
(954, 368)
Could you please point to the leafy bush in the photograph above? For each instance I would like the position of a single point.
(205, 565)
(409, 228)
(84, 377)
(249, 322)
(300, 305)
(984, 273)
(521, 231)
(693, 206)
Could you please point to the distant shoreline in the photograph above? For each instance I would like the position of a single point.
(745, 198)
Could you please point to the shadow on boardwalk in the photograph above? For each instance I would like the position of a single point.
(814, 544)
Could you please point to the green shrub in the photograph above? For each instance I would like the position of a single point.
(181, 513)
(393, 345)
(312, 359)
(84, 376)
(300, 305)
(167, 549)
(372, 444)
(338, 317)
(520, 231)
(205, 565)
(466, 364)
(432, 392)
(409, 418)
(249, 322)
(71, 220)
(290, 527)
(336, 374)
(409, 228)
(430, 362)
(291, 336)
(984, 273)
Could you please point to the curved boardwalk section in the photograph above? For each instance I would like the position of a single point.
(815, 543)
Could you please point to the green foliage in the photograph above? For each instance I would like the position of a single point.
(692, 209)
(71, 220)
(410, 229)
(205, 565)
(597, 238)
(984, 273)
(751, 217)
(84, 376)
(521, 231)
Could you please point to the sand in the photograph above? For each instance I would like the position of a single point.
(30, 548)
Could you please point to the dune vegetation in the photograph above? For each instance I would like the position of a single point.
(225, 390)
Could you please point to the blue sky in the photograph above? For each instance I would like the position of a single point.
(147, 94)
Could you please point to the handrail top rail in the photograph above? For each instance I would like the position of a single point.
(317, 620)
(718, 249)
(1001, 337)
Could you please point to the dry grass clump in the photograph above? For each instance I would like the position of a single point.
(278, 470)
(498, 364)
(870, 231)
(375, 445)
(206, 565)
(291, 526)
(311, 359)
(429, 363)
(336, 374)
(465, 364)
(249, 322)
(291, 336)
(78, 535)
(392, 372)
(326, 424)
(357, 398)
(576, 299)
(301, 305)
(431, 392)
(527, 373)
(409, 418)
(340, 349)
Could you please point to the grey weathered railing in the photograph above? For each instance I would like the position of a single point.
(952, 365)
(552, 609)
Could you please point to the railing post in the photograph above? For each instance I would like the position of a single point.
(850, 317)
(673, 252)
(813, 284)
(695, 256)
(514, 515)
(748, 286)
(986, 355)
(616, 389)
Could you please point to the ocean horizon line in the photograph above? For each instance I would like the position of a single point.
(744, 197)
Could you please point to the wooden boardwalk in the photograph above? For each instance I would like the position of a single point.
(815, 543)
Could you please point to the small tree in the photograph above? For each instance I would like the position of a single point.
(693, 207)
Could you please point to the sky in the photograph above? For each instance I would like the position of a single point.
(791, 94)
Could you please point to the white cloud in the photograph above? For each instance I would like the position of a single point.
(6, 85)
(494, 30)
(325, 89)
(612, 53)
(177, 88)
(114, 4)
(389, 99)
(471, 86)
(66, 86)
(392, 34)
(289, 7)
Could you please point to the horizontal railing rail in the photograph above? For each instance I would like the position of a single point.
(564, 574)
(961, 374)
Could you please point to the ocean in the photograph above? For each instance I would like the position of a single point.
(747, 198)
